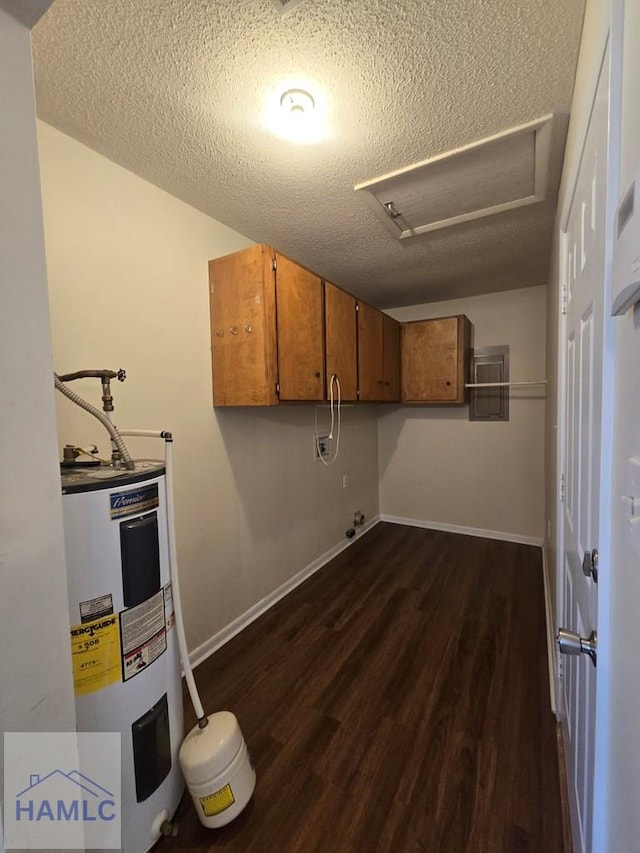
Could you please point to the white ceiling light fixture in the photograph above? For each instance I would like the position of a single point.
(297, 101)
(294, 114)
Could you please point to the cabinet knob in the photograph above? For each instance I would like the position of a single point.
(317, 374)
(448, 382)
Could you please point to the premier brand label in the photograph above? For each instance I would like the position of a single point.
(134, 501)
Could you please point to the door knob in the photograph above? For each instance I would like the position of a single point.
(571, 643)
(590, 564)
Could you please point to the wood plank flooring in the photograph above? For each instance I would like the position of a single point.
(397, 701)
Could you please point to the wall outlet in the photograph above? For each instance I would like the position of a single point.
(358, 518)
(345, 481)
(321, 447)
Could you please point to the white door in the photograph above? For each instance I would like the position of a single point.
(583, 278)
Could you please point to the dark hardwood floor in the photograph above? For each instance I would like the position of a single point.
(397, 701)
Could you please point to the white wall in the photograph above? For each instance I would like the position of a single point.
(438, 467)
(129, 288)
(36, 689)
(624, 747)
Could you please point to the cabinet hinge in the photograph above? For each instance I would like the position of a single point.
(563, 488)
(358, 394)
(277, 389)
(274, 264)
(357, 307)
(564, 299)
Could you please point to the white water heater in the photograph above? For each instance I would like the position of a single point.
(123, 638)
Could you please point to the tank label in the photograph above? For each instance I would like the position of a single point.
(143, 635)
(169, 612)
(95, 653)
(133, 501)
(217, 802)
(96, 607)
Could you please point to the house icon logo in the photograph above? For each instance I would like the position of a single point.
(62, 791)
(60, 796)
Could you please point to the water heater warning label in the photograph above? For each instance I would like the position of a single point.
(169, 612)
(143, 635)
(218, 802)
(95, 653)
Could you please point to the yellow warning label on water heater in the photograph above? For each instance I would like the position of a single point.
(213, 804)
(95, 652)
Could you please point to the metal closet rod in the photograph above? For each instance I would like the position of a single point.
(504, 384)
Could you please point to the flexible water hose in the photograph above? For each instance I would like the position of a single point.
(173, 565)
(129, 464)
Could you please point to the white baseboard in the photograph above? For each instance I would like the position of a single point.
(465, 531)
(551, 643)
(202, 652)
(223, 636)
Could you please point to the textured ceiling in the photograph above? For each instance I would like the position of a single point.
(174, 89)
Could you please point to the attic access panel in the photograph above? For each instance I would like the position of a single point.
(495, 174)
(284, 6)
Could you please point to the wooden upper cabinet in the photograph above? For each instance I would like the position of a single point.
(266, 329)
(243, 328)
(279, 333)
(340, 323)
(378, 355)
(300, 331)
(391, 359)
(370, 362)
(435, 360)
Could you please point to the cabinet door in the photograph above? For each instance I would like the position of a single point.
(299, 331)
(341, 341)
(243, 344)
(370, 366)
(435, 357)
(391, 359)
